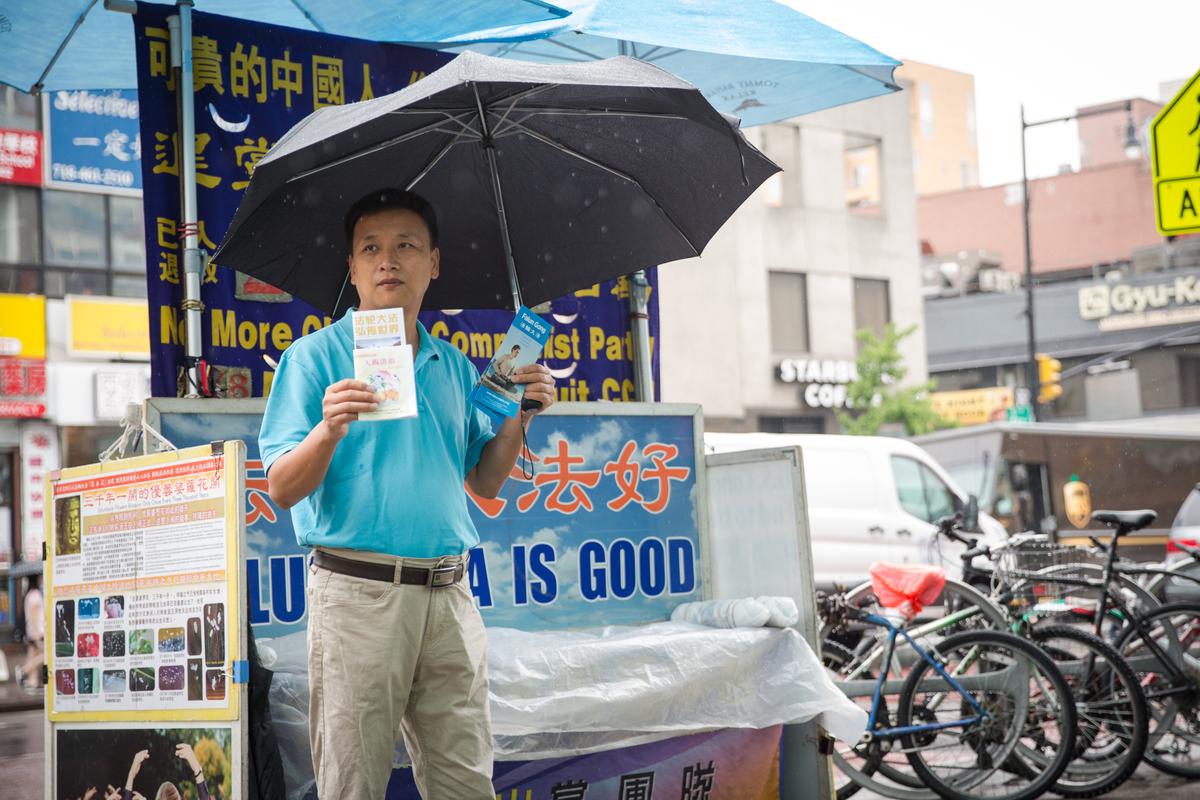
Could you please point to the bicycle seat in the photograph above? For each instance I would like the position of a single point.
(1126, 520)
(907, 587)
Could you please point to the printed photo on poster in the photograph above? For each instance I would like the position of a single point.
(162, 761)
(64, 628)
(67, 526)
(214, 634)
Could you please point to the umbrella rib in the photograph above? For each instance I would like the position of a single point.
(573, 49)
(612, 171)
(515, 99)
(586, 112)
(433, 162)
(646, 56)
(37, 87)
(432, 128)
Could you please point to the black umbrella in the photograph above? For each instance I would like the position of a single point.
(546, 179)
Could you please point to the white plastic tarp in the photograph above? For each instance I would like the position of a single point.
(558, 693)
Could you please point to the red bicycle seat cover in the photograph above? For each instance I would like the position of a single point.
(909, 587)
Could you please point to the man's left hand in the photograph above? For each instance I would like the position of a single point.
(539, 386)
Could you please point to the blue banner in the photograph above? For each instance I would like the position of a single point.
(252, 83)
(603, 532)
(93, 140)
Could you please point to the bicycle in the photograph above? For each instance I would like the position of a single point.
(969, 712)
(1112, 711)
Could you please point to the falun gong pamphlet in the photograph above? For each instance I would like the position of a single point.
(522, 345)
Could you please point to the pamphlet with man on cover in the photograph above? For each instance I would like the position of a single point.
(384, 361)
(522, 345)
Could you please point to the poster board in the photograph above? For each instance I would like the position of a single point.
(145, 628)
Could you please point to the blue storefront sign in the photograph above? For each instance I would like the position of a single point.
(93, 141)
(253, 82)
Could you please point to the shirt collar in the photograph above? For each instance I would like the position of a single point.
(426, 351)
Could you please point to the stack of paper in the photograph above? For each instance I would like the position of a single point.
(384, 361)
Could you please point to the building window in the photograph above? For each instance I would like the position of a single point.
(862, 167)
(128, 285)
(75, 229)
(792, 425)
(925, 109)
(788, 293)
(18, 110)
(61, 282)
(19, 225)
(964, 169)
(126, 233)
(872, 306)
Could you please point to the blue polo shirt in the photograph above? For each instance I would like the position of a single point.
(393, 486)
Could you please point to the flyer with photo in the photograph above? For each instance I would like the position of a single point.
(139, 561)
(384, 361)
(522, 345)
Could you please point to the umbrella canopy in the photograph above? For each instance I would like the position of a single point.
(97, 45)
(602, 168)
(758, 60)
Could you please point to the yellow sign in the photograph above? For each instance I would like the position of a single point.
(185, 600)
(973, 406)
(1175, 141)
(107, 327)
(23, 325)
(1077, 499)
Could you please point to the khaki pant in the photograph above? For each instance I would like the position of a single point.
(387, 661)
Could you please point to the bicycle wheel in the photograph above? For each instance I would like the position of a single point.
(1112, 718)
(1163, 648)
(879, 765)
(1026, 736)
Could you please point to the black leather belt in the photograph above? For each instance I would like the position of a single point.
(434, 578)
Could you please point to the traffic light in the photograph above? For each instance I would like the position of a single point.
(1049, 374)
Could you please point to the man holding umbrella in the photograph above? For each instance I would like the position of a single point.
(396, 645)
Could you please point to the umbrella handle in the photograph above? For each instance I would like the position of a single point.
(530, 405)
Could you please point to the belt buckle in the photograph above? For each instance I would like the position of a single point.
(441, 577)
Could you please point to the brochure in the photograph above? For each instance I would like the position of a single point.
(384, 361)
(522, 345)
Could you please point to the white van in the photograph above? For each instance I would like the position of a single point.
(870, 498)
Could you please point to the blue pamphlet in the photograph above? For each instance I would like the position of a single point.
(522, 345)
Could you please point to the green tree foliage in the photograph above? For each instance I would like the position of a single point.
(215, 763)
(876, 399)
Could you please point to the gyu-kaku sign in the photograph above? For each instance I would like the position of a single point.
(1175, 137)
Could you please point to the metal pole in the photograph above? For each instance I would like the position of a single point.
(489, 151)
(639, 320)
(1031, 370)
(181, 53)
(639, 329)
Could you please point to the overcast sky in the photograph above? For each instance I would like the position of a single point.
(1053, 55)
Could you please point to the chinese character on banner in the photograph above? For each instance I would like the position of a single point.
(246, 70)
(567, 481)
(257, 500)
(329, 89)
(571, 790)
(39, 455)
(637, 786)
(697, 782)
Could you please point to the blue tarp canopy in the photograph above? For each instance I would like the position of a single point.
(758, 60)
(99, 54)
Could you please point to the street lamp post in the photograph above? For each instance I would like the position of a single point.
(1132, 150)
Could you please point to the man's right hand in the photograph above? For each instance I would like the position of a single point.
(342, 404)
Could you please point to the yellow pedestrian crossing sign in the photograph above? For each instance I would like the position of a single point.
(1175, 140)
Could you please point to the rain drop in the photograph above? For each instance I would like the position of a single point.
(587, 202)
(548, 257)
(474, 245)
(321, 239)
(604, 229)
(602, 192)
